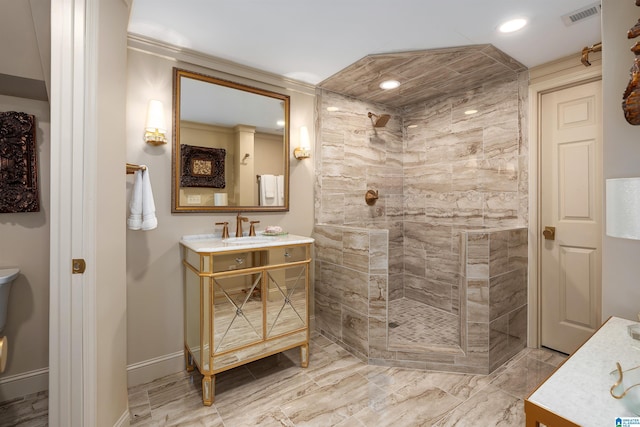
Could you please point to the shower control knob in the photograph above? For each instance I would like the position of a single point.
(371, 197)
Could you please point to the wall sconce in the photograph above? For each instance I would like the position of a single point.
(155, 130)
(623, 208)
(304, 150)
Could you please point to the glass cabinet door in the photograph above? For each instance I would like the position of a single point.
(286, 300)
(237, 311)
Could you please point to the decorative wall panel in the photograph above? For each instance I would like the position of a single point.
(18, 163)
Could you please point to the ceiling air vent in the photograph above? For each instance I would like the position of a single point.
(580, 14)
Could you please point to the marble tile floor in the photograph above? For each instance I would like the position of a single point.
(28, 411)
(336, 389)
(420, 324)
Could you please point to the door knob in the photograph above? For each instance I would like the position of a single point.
(549, 233)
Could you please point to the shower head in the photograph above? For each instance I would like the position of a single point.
(380, 120)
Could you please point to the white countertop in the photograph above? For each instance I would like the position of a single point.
(213, 243)
(579, 390)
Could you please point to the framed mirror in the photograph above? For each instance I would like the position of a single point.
(230, 146)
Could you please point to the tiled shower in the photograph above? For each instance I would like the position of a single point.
(434, 275)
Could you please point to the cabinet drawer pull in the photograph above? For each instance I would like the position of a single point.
(287, 254)
(240, 260)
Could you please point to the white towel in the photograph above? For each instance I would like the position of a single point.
(149, 220)
(141, 206)
(269, 182)
(268, 186)
(134, 222)
(280, 186)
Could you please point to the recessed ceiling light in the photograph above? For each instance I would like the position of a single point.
(469, 112)
(332, 109)
(513, 25)
(389, 84)
(280, 122)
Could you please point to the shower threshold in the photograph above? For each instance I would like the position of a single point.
(427, 348)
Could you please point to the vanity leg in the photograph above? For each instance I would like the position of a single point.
(188, 358)
(304, 355)
(208, 384)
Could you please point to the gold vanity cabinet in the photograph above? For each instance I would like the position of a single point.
(243, 304)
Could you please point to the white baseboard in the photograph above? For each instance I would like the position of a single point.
(124, 420)
(149, 370)
(20, 385)
(158, 367)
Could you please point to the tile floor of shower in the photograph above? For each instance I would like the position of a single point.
(337, 389)
(413, 324)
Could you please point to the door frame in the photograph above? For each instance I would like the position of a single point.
(550, 77)
(72, 306)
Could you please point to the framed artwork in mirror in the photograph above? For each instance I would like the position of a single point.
(18, 163)
(202, 166)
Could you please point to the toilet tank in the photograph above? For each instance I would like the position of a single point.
(7, 276)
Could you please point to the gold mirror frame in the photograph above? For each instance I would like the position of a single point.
(177, 166)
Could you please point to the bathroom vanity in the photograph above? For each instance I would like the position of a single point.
(244, 299)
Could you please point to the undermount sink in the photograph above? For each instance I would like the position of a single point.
(247, 240)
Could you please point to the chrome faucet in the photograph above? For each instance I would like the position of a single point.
(239, 220)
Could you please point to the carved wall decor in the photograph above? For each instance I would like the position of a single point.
(202, 166)
(18, 163)
(631, 96)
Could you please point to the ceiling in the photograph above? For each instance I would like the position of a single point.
(424, 74)
(306, 40)
(310, 41)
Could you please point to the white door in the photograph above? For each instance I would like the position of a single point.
(72, 370)
(571, 201)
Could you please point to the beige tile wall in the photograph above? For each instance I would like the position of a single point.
(451, 173)
(495, 277)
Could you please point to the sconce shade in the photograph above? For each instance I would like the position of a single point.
(623, 208)
(305, 142)
(155, 117)
(304, 150)
(155, 127)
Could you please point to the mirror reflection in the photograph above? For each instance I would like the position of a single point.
(231, 146)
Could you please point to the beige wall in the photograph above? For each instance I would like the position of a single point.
(620, 266)
(25, 244)
(154, 280)
(110, 274)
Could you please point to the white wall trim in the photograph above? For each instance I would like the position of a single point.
(72, 366)
(158, 367)
(124, 419)
(24, 384)
(560, 74)
(232, 69)
(161, 366)
(89, 216)
(60, 329)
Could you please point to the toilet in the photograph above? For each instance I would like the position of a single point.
(7, 276)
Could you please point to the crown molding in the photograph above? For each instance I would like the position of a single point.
(188, 56)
